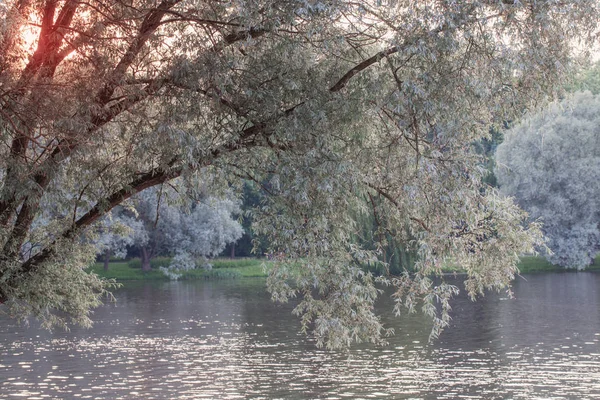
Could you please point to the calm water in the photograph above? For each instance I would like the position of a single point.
(226, 340)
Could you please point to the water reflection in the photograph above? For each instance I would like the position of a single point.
(227, 340)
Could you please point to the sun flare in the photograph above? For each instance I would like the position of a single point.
(29, 33)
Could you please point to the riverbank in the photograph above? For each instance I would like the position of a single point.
(221, 269)
(536, 264)
(252, 267)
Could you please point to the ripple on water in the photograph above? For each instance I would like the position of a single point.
(253, 350)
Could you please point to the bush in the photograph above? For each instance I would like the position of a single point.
(550, 163)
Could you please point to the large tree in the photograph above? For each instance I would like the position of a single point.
(333, 106)
(550, 162)
(117, 231)
(188, 230)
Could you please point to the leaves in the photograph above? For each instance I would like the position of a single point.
(325, 105)
(549, 163)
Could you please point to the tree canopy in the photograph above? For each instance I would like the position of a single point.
(198, 228)
(335, 107)
(116, 232)
(550, 163)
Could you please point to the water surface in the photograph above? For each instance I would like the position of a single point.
(226, 340)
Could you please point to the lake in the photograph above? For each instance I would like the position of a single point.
(226, 340)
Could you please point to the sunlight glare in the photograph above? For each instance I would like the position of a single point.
(29, 33)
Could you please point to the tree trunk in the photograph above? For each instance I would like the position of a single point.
(232, 250)
(106, 259)
(145, 259)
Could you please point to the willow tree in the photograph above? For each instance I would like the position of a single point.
(197, 229)
(334, 106)
(549, 162)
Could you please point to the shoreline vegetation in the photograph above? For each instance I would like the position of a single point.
(226, 268)
(222, 268)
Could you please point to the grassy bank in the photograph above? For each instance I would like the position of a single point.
(535, 264)
(222, 269)
(252, 267)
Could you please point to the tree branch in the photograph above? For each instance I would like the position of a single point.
(340, 84)
(149, 25)
(237, 36)
(143, 181)
(387, 196)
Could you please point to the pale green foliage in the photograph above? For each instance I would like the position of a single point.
(116, 232)
(62, 286)
(187, 228)
(550, 162)
(335, 107)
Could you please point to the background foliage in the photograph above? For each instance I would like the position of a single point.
(550, 163)
(336, 109)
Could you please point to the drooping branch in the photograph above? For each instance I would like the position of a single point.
(151, 178)
(343, 81)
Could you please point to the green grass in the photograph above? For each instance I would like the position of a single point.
(250, 271)
(121, 271)
(531, 264)
(222, 269)
(535, 264)
(251, 267)
(155, 263)
(452, 269)
(236, 263)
